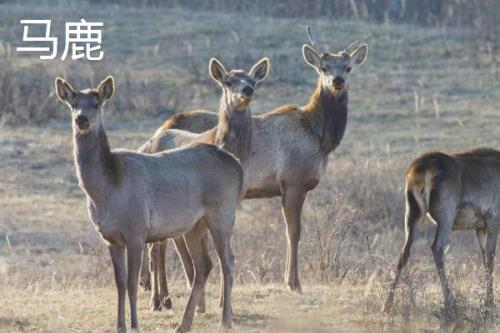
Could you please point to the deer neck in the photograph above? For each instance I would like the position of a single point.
(234, 130)
(326, 113)
(96, 166)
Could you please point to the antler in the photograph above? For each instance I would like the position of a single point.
(352, 47)
(312, 36)
(314, 40)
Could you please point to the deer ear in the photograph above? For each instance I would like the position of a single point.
(106, 88)
(217, 71)
(64, 90)
(260, 70)
(358, 56)
(311, 56)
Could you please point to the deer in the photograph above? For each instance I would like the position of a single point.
(458, 192)
(291, 144)
(135, 198)
(233, 133)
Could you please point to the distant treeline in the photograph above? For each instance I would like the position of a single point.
(423, 12)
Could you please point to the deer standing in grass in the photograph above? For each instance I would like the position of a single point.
(291, 145)
(135, 198)
(233, 134)
(458, 192)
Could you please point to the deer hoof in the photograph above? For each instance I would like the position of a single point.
(224, 327)
(167, 303)
(181, 329)
(450, 312)
(155, 304)
(294, 286)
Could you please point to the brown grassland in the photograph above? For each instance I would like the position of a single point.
(421, 89)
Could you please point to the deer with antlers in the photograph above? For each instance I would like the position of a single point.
(291, 145)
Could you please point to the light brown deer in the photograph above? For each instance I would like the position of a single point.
(458, 192)
(233, 133)
(291, 145)
(135, 198)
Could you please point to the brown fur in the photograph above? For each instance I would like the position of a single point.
(233, 134)
(325, 116)
(109, 161)
(237, 125)
(135, 198)
(182, 120)
(458, 192)
(291, 144)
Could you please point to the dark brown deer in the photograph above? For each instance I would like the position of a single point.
(291, 145)
(458, 192)
(135, 198)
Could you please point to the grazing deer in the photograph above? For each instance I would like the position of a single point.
(458, 192)
(291, 145)
(135, 198)
(233, 133)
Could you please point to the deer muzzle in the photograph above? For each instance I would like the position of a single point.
(82, 122)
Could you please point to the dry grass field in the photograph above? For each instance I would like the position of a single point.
(421, 89)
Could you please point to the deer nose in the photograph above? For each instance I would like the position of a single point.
(248, 91)
(81, 121)
(338, 80)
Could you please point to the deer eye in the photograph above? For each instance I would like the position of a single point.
(348, 69)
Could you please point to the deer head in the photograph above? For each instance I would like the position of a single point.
(333, 68)
(237, 86)
(86, 104)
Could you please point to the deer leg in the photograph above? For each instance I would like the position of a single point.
(162, 277)
(222, 245)
(481, 238)
(145, 280)
(154, 253)
(202, 266)
(187, 265)
(491, 242)
(135, 249)
(117, 254)
(412, 216)
(204, 244)
(443, 209)
(292, 201)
